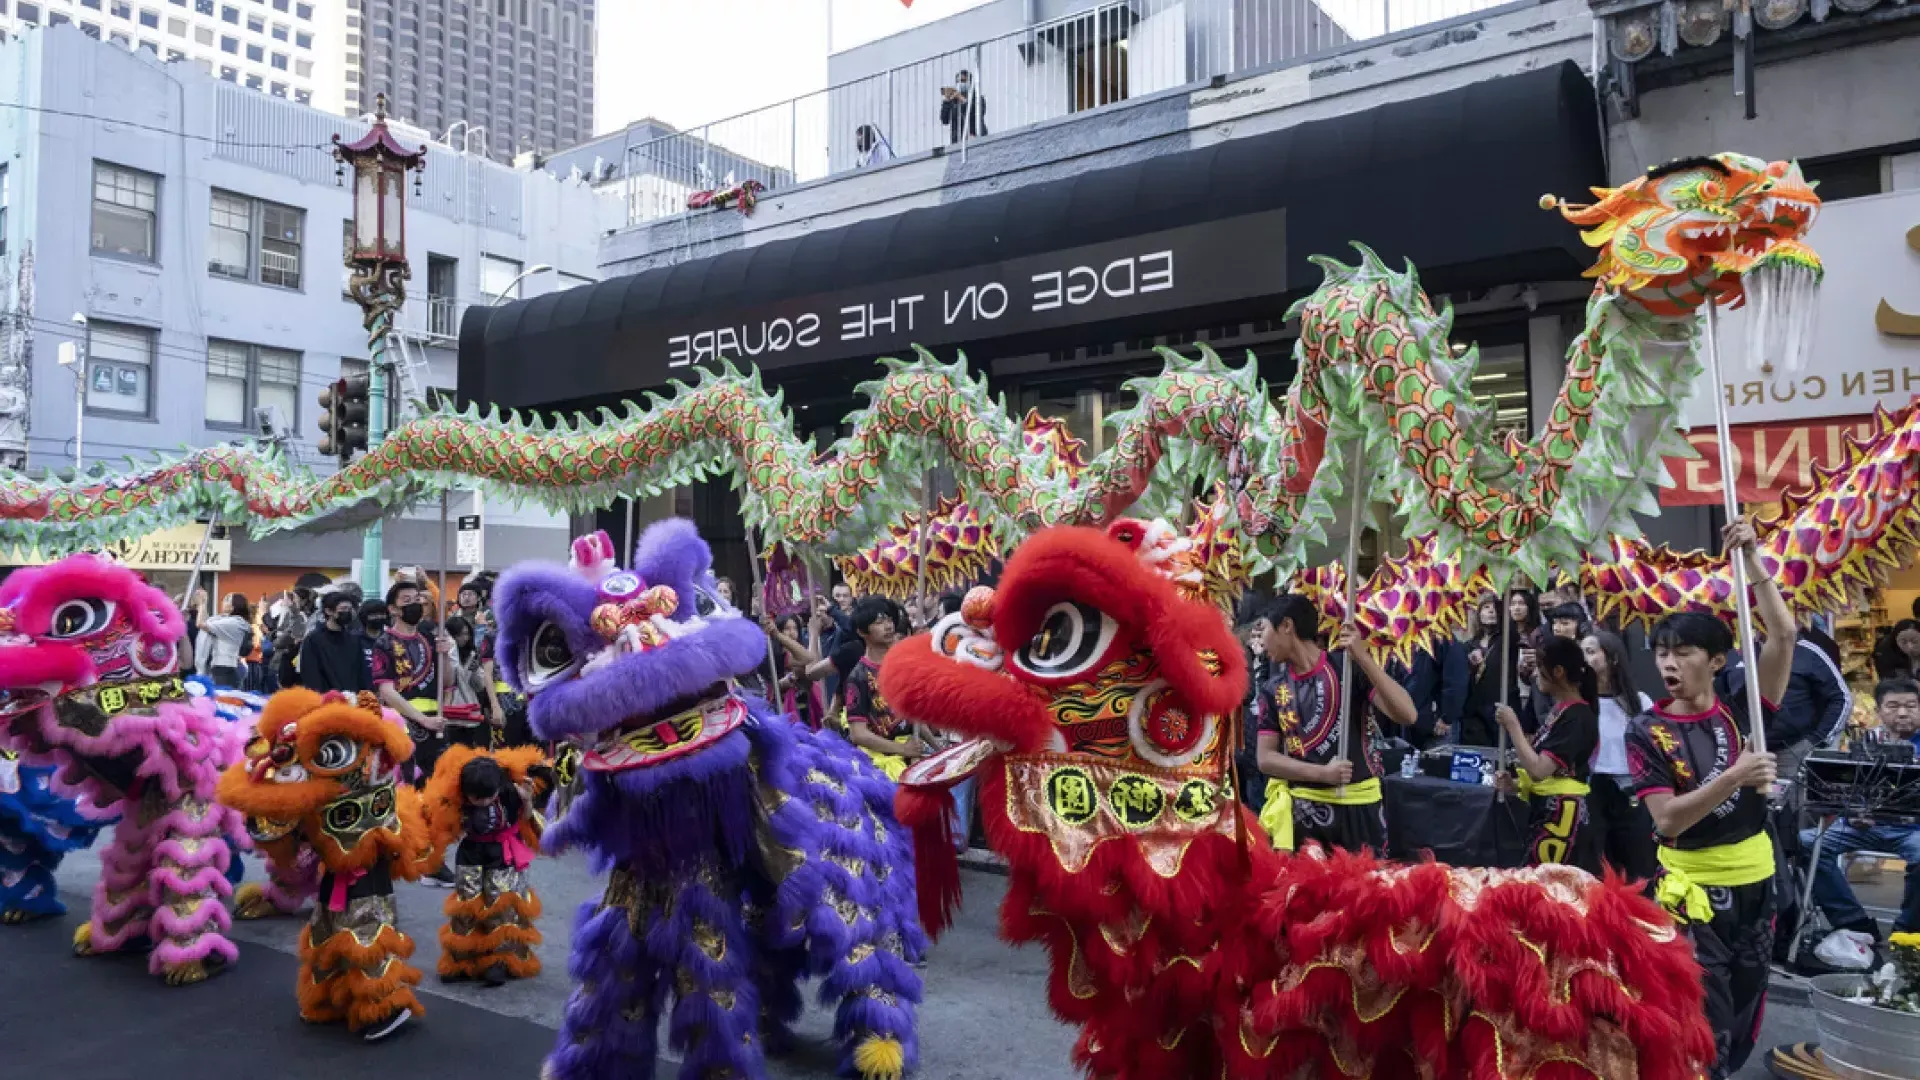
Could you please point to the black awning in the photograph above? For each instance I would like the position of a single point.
(1451, 181)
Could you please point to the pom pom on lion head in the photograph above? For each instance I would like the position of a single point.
(1085, 647)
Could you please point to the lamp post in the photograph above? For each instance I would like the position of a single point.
(513, 286)
(377, 256)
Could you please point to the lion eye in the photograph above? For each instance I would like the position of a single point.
(80, 618)
(1072, 639)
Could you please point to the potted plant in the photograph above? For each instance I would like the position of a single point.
(1870, 1024)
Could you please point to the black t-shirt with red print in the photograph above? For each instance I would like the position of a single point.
(866, 705)
(1568, 737)
(1679, 752)
(1300, 708)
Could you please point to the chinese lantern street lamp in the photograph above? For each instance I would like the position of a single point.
(377, 255)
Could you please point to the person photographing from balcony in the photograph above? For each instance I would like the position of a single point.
(873, 147)
(1707, 792)
(963, 109)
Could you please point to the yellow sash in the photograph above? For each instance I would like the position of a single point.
(1277, 815)
(890, 764)
(425, 706)
(1552, 785)
(1682, 889)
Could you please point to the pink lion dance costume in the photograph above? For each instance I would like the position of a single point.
(89, 690)
(1100, 702)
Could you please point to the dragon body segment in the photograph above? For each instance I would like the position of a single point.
(1377, 378)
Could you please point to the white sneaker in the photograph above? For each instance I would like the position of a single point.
(393, 1023)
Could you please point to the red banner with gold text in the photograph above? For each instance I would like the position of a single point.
(1768, 459)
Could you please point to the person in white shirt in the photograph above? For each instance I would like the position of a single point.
(1624, 827)
(873, 146)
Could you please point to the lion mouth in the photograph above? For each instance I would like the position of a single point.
(685, 725)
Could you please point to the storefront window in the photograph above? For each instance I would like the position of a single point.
(1501, 384)
(1085, 406)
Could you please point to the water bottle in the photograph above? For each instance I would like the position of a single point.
(1410, 766)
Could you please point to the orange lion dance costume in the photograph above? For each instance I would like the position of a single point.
(486, 801)
(1101, 701)
(322, 774)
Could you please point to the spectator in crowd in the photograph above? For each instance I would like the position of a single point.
(1817, 704)
(1899, 704)
(1898, 654)
(963, 109)
(472, 712)
(1569, 621)
(286, 666)
(194, 613)
(800, 696)
(1478, 727)
(1622, 829)
(872, 146)
(223, 643)
(1438, 682)
(406, 672)
(472, 600)
(334, 655)
(723, 588)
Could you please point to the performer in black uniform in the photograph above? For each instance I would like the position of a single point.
(1556, 762)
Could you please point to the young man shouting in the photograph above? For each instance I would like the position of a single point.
(1315, 794)
(1707, 793)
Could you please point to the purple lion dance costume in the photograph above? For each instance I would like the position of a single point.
(744, 851)
(88, 691)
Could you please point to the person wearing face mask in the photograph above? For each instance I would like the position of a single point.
(406, 671)
(334, 654)
(963, 109)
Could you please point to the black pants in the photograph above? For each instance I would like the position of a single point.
(227, 678)
(1560, 830)
(1351, 828)
(1735, 951)
(477, 736)
(427, 748)
(1622, 829)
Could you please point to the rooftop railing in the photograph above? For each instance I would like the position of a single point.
(1094, 59)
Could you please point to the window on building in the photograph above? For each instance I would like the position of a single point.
(1849, 177)
(256, 24)
(497, 276)
(230, 45)
(202, 36)
(177, 27)
(242, 378)
(230, 243)
(149, 19)
(28, 13)
(279, 5)
(94, 4)
(280, 61)
(280, 32)
(255, 82)
(120, 369)
(150, 46)
(566, 28)
(304, 97)
(125, 205)
(175, 54)
(303, 11)
(256, 53)
(303, 68)
(231, 75)
(230, 15)
(204, 7)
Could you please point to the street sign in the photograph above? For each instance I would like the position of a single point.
(468, 546)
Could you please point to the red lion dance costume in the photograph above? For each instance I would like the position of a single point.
(1101, 701)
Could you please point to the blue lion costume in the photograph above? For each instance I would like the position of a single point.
(744, 852)
(38, 826)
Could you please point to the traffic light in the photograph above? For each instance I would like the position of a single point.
(343, 416)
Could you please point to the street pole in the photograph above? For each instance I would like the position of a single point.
(200, 560)
(370, 545)
(442, 667)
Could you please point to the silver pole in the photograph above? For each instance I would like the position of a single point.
(80, 414)
(626, 553)
(1743, 604)
(200, 560)
(1806, 894)
(1506, 680)
(1357, 504)
(773, 669)
(926, 532)
(445, 556)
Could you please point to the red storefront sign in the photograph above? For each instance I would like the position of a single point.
(1768, 459)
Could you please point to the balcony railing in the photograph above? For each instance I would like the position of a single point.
(1096, 58)
(430, 318)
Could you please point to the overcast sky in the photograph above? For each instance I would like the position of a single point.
(693, 63)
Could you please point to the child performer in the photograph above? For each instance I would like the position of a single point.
(1707, 794)
(486, 801)
(322, 775)
(1556, 763)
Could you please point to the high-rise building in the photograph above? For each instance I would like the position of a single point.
(287, 48)
(517, 73)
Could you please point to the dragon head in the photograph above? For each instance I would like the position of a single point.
(636, 663)
(1087, 647)
(1697, 228)
(88, 653)
(327, 766)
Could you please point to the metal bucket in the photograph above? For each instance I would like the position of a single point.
(1864, 1042)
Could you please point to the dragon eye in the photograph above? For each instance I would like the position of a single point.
(336, 754)
(550, 656)
(1710, 189)
(80, 618)
(1073, 638)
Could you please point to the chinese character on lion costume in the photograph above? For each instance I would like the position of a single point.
(1182, 945)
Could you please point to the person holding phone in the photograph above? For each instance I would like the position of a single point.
(963, 109)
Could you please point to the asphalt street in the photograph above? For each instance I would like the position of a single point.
(985, 1018)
